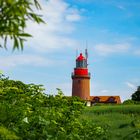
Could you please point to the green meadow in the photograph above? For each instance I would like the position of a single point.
(121, 122)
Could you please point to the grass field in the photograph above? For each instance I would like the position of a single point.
(121, 122)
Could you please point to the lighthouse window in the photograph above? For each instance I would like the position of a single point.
(81, 64)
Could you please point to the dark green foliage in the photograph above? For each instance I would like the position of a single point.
(130, 102)
(14, 15)
(91, 131)
(136, 95)
(26, 112)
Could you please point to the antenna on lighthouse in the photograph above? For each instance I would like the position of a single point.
(86, 50)
(86, 53)
(76, 53)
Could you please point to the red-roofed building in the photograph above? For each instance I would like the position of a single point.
(105, 99)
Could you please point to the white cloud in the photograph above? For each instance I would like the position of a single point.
(107, 49)
(16, 60)
(59, 17)
(73, 15)
(131, 85)
(35, 60)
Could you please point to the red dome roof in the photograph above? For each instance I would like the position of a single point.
(80, 58)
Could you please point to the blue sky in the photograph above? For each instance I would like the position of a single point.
(112, 30)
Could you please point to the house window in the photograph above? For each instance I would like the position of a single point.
(96, 99)
(111, 100)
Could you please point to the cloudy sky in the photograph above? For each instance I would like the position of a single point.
(112, 30)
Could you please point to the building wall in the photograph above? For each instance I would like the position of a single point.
(81, 87)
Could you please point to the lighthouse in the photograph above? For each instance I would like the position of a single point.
(81, 78)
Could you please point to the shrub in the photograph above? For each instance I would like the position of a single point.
(26, 112)
(129, 102)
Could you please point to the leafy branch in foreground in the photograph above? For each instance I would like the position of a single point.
(14, 15)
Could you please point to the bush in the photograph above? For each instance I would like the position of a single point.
(26, 112)
(129, 102)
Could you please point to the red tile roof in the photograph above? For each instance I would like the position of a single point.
(105, 99)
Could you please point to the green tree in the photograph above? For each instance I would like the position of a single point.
(14, 15)
(136, 95)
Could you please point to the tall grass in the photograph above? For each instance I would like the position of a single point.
(122, 122)
(123, 109)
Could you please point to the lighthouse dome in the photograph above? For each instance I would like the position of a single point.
(80, 57)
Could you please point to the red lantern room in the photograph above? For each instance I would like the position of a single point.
(81, 66)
